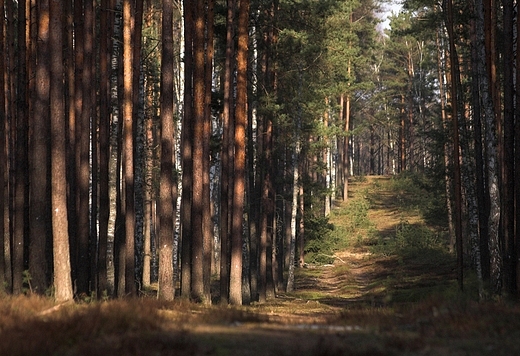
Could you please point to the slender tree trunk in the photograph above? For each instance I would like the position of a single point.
(446, 149)
(128, 149)
(3, 154)
(197, 263)
(294, 208)
(187, 169)
(138, 134)
(456, 157)
(62, 270)
(495, 249)
(20, 191)
(104, 148)
(227, 154)
(39, 216)
(345, 153)
(517, 165)
(166, 203)
(481, 187)
(508, 182)
(83, 177)
(207, 221)
(235, 286)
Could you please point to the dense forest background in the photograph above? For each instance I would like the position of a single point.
(171, 144)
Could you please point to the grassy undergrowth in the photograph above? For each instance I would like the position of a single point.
(382, 283)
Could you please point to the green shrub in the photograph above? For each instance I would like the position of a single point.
(320, 242)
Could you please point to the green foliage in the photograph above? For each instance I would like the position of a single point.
(423, 193)
(320, 242)
(415, 236)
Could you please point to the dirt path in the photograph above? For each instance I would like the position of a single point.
(368, 302)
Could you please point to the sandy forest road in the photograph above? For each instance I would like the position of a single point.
(344, 308)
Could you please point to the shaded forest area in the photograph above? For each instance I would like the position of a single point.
(389, 288)
(196, 148)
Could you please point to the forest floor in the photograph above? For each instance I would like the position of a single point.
(391, 290)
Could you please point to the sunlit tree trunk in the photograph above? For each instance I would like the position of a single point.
(128, 154)
(235, 274)
(62, 270)
(166, 201)
(345, 151)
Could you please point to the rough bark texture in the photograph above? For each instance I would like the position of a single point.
(197, 263)
(187, 169)
(3, 153)
(20, 191)
(166, 203)
(128, 156)
(491, 146)
(206, 194)
(39, 216)
(227, 154)
(62, 271)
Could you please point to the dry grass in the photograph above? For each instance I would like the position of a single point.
(366, 303)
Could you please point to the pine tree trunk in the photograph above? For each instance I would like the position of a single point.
(39, 221)
(187, 169)
(128, 151)
(446, 149)
(197, 233)
(491, 147)
(104, 149)
(235, 274)
(227, 154)
(508, 182)
(456, 158)
(21, 169)
(62, 270)
(3, 155)
(207, 221)
(294, 209)
(166, 203)
(80, 218)
(517, 166)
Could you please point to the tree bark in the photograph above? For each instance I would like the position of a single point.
(128, 155)
(187, 140)
(62, 270)
(166, 203)
(104, 148)
(207, 221)
(456, 157)
(39, 215)
(3, 154)
(495, 248)
(21, 169)
(197, 263)
(235, 286)
(227, 154)
(508, 182)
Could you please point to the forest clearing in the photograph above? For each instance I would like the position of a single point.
(391, 290)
